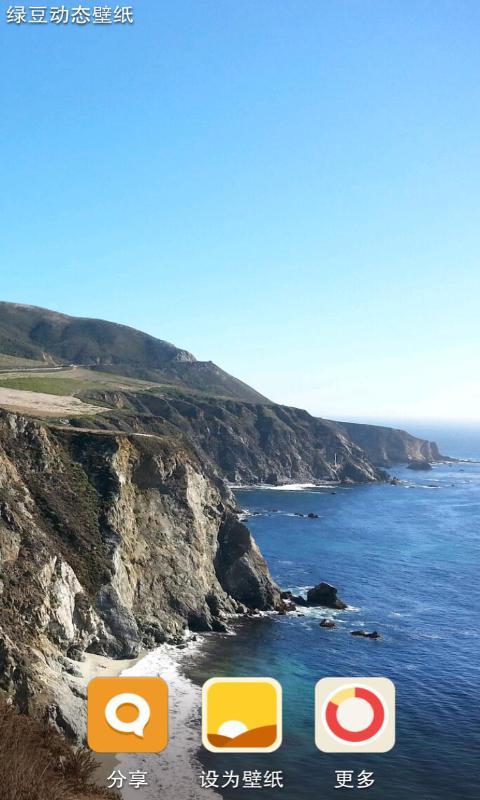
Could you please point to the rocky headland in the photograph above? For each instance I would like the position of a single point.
(388, 446)
(118, 531)
(110, 543)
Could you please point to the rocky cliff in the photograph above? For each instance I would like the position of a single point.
(108, 543)
(386, 446)
(260, 443)
(248, 443)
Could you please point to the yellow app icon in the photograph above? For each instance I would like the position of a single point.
(127, 715)
(242, 715)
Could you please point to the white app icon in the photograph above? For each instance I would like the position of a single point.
(355, 715)
(137, 725)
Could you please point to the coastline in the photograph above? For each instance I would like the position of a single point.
(410, 626)
(173, 773)
(284, 487)
(95, 666)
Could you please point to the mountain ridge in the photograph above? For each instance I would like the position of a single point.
(51, 337)
(246, 436)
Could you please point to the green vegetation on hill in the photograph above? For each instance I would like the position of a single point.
(13, 362)
(28, 332)
(82, 382)
(40, 383)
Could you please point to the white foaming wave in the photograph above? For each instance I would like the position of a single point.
(277, 511)
(421, 486)
(173, 773)
(322, 611)
(285, 487)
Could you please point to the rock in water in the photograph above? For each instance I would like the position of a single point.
(366, 635)
(324, 594)
(327, 623)
(420, 465)
(297, 599)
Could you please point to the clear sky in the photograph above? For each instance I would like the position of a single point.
(287, 187)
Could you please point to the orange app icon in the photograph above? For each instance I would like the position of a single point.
(127, 715)
(242, 715)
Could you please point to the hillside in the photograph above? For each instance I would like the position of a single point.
(249, 443)
(28, 332)
(100, 375)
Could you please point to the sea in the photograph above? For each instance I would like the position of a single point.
(406, 560)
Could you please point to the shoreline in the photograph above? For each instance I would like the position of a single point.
(172, 774)
(284, 487)
(95, 666)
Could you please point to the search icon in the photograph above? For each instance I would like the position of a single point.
(137, 725)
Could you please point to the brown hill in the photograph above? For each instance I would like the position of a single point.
(258, 737)
(29, 332)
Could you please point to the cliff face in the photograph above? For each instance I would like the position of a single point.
(386, 446)
(258, 443)
(109, 542)
(249, 443)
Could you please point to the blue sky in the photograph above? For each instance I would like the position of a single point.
(288, 188)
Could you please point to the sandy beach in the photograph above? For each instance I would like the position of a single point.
(173, 774)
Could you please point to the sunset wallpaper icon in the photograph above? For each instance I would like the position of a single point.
(242, 715)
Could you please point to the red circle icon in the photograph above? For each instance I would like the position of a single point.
(354, 714)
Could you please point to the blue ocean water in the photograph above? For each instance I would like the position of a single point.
(406, 559)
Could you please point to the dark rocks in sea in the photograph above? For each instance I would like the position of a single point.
(311, 515)
(219, 627)
(327, 623)
(324, 594)
(366, 635)
(420, 465)
(286, 604)
(297, 599)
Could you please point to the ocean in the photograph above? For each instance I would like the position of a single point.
(405, 558)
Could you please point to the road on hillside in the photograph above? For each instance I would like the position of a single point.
(66, 368)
